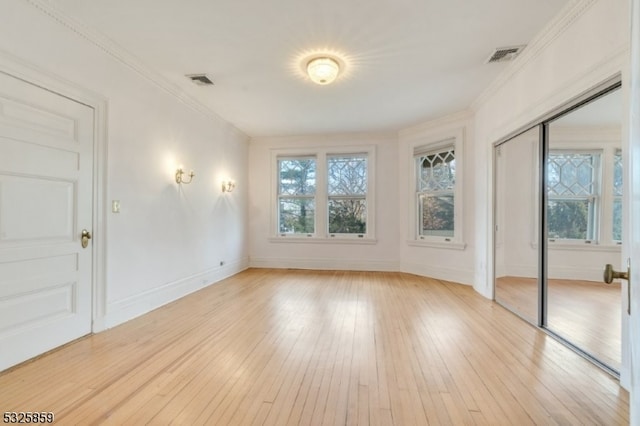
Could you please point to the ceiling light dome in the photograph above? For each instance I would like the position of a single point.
(323, 70)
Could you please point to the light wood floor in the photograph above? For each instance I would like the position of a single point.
(587, 313)
(283, 347)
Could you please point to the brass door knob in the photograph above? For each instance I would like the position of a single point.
(609, 274)
(84, 238)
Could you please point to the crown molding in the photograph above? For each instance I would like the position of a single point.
(554, 29)
(455, 120)
(127, 59)
(356, 138)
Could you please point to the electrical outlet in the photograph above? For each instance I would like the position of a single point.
(222, 263)
(115, 206)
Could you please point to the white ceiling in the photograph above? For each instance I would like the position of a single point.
(407, 60)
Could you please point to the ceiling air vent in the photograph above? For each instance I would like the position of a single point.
(504, 54)
(200, 79)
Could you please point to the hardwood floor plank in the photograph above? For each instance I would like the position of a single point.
(273, 347)
(586, 313)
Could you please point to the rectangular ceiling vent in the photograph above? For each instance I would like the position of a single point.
(504, 54)
(200, 79)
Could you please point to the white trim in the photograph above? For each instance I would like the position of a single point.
(436, 126)
(603, 74)
(555, 272)
(338, 264)
(134, 306)
(554, 29)
(579, 245)
(451, 245)
(318, 240)
(286, 142)
(122, 56)
(321, 155)
(630, 371)
(522, 270)
(456, 275)
(421, 142)
(16, 67)
(574, 273)
(603, 141)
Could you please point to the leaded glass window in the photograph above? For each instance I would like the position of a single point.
(435, 184)
(573, 194)
(347, 194)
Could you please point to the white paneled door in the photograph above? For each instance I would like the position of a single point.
(46, 191)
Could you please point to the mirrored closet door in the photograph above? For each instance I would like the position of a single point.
(584, 222)
(516, 203)
(558, 221)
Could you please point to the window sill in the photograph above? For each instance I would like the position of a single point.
(580, 246)
(451, 245)
(323, 240)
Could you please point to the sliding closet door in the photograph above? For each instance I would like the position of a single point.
(558, 222)
(516, 214)
(584, 222)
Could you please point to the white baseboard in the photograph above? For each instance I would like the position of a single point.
(558, 272)
(124, 310)
(530, 271)
(569, 273)
(325, 264)
(457, 275)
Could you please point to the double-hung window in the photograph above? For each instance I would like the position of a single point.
(573, 194)
(297, 195)
(437, 194)
(325, 194)
(347, 194)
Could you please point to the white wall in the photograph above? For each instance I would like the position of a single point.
(265, 251)
(392, 250)
(581, 48)
(168, 240)
(452, 264)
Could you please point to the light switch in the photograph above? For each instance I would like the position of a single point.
(115, 206)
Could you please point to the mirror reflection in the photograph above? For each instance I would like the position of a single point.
(584, 222)
(517, 202)
(583, 208)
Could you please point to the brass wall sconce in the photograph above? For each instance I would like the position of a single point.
(180, 179)
(228, 185)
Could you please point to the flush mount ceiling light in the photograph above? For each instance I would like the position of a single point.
(323, 70)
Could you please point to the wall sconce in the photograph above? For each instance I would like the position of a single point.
(180, 179)
(228, 185)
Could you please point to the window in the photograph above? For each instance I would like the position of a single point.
(347, 194)
(573, 194)
(616, 234)
(584, 194)
(324, 195)
(436, 199)
(437, 215)
(296, 195)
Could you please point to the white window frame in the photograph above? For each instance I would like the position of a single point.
(322, 155)
(300, 197)
(616, 152)
(433, 144)
(607, 145)
(595, 197)
(328, 156)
